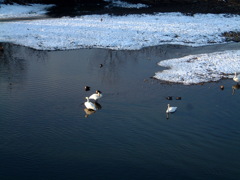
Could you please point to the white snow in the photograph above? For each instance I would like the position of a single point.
(200, 68)
(134, 32)
(16, 10)
(120, 32)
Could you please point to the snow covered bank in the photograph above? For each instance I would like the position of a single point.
(195, 69)
(133, 32)
(120, 32)
(17, 11)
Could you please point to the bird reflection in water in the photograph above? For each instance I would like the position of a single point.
(235, 87)
(89, 112)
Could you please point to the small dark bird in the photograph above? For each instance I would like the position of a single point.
(169, 98)
(101, 65)
(178, 98)
(222, 87)
(1, 49)
(87, 88)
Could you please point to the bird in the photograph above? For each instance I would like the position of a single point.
(169, 98)
(236, 78)
(96, 95)
(1, 48)
(222, 87)
(90, 105)
(87, 88)
(171, 109)
(101, 65)
(178, 98)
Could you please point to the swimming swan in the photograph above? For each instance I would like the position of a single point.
(90, 105)
(171, 109)
(236, 78)
(96, 95)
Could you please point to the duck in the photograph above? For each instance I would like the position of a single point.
(171, 109)
(178, 98)
(222, 87)
(89, 105)
(236, 78)
(87, 88)
(96, 95)
(169, 98)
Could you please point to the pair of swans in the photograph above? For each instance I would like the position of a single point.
(92, 106)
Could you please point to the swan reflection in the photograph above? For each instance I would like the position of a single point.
(89, 112)
(235, 87)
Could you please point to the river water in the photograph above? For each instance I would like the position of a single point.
(45, 132)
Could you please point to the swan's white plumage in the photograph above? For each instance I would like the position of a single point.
(236, 78)
(90, 105)
(96, 95)
(171, 109)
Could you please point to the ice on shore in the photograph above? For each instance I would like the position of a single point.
(17, 11)
(200, 68)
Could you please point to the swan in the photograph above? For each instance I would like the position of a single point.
(236, 78)
(96, 95)
(171, 109)
(90, 105)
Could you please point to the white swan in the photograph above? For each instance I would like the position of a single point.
(236, 78)
(96, 95)
(171, 109)
(90, 105)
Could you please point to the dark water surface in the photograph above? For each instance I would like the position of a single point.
(45, 134)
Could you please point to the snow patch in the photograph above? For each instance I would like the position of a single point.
(200, 68)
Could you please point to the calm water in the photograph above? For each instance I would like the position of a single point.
(45, 133)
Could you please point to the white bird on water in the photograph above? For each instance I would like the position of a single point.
(96, 95)
(171, 109)
(236, 78)
(90, 105)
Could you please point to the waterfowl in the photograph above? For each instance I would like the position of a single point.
(171, 109)
(169, 98)
(96, 95)
(87, 88)
(101, 65)
(236, 78)
(178, 98)
(222, 87)
(1, 48)
(90, 105)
